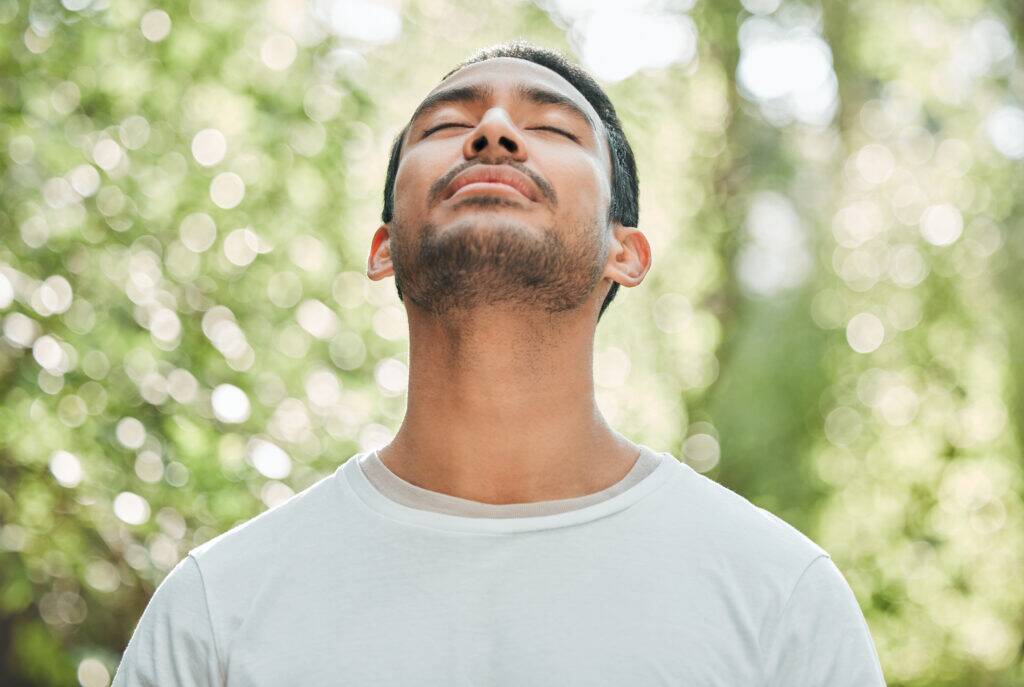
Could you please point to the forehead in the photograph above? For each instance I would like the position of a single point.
(504, 74)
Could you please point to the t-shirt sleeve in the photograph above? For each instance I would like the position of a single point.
(173, 641)
(821, 638)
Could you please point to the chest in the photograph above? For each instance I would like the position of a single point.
(561, 621)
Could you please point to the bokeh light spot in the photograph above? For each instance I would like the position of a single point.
(269, 459)
(92, 673)
(865, 332)
(209, 147)
(278, 52)
(155, 25)
(701, 452)
(131, 508)
(130, 432)
(66, 468)
(227, 190)
(230, 404)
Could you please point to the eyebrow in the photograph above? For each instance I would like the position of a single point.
(478, 94)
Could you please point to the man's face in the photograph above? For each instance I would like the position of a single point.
(502, 193)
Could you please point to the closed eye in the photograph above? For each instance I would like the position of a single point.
(557, 131)
(443, 126)
(554, 129)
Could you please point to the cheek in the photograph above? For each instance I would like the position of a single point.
(420, 168)
(412, 181)
(582, 186)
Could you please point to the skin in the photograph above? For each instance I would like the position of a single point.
(503, 293)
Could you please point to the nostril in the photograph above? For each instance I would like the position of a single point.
(508, 143)
(479, 144)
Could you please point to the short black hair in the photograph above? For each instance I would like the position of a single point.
(625, 186)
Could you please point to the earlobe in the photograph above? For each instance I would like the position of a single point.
(629, 256)
(378, 265)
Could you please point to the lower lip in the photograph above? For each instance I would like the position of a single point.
(487, 187)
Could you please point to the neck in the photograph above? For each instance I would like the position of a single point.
(501, 409)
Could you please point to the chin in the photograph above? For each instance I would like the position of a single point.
(491, 223)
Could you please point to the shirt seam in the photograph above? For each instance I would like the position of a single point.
(209, 619)
(782, 612)
(378, 513)
(408, 491)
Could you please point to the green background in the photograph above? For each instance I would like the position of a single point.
(875, 403)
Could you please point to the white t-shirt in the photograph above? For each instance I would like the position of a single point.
(674, 580)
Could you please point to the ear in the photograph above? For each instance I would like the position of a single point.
(629, 256)
(378, 265)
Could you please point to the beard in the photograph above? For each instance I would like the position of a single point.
(472, 264)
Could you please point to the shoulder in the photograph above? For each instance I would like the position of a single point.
(820, 637)
(176, 616)
(274, 534)
(785, 583)
(731, 527)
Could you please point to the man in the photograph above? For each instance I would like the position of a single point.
(507, 535)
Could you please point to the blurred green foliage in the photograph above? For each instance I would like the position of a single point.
(833, 325)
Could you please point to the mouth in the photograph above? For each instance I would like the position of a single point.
(496, 179)
(488, 188)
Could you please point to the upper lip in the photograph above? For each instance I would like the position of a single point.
(498, 174)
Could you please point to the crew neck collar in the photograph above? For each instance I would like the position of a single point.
(350, 476)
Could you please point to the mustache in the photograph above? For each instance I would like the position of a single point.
(438, 187)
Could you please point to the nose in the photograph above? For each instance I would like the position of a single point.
(495, 137)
